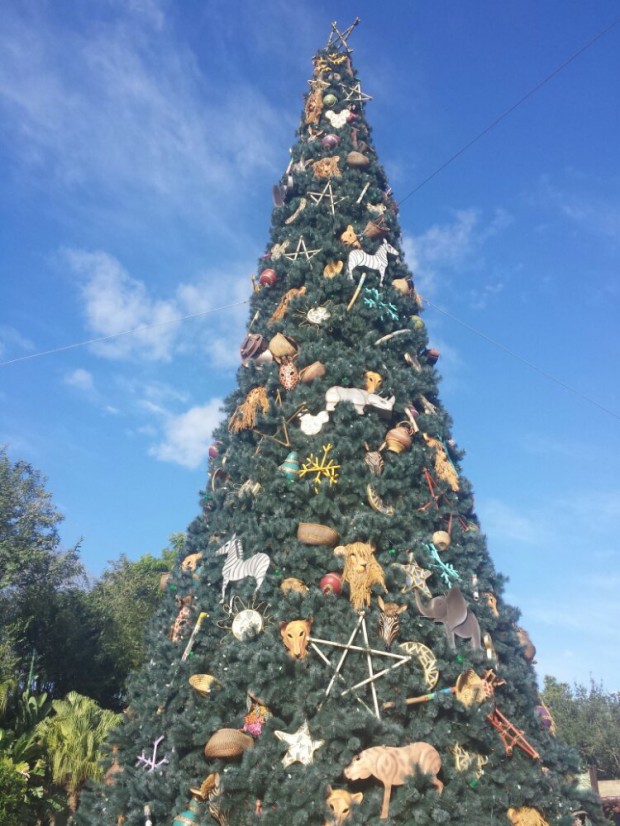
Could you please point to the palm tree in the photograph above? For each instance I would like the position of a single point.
(72, 738)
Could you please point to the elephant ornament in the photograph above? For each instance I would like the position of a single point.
(457, 617)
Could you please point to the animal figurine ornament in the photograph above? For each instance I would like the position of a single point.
(457, 617)
(378, 261)
(236, 567)
(526, 816)
(389, 622)
(393, 765)
(372, 381)
(190, 563)
(183, 618)
(340, 802)
(361, 572)
(359, 399)
(296, 636)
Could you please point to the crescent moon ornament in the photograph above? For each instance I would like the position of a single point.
(376, 503)
(426, 659)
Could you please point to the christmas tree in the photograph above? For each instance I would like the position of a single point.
(333, 644)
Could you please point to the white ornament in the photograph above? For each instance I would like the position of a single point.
(311, 425)
(338, 119)
(247, 625)
(301, 746)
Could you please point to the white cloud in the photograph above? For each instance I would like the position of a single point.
(123, 109)
(439, 253)
(81, 379)
(188, 436)
(12, 341)
(581, 202)
(114, 303)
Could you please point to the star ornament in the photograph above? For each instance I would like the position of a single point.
(415, 576)
(328, 194)
(354, 93)
(301, 249)
(301, 746)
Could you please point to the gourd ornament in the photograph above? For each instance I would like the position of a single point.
(189, 816)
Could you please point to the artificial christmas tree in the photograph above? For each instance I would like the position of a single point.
(334, 645)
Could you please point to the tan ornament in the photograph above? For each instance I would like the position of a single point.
(491, 601)
(333, 268)
(296, 636)
(281, 346)
(377, 503)
(372, 381)
(326, 168)
(286, 299)
(443, 466)
(293, 585)
(203, 683)
(246, 414)
(389, 620)
(393, 766)
(228, 742)
(350, 238)
(441, 540)
(526, 816)
(311, 372)
(356, 160)
(529, 649)
(340, 802)
(190, 563)
(361, 572)
(374, 460)
(399, 438)
(313, 107)
(468, 760)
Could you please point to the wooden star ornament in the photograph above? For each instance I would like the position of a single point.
(301, 249)
(328, 194)
(415, 576)
(354, 93)
(301, 746)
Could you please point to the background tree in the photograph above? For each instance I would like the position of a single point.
(37, 577)
(72, 737)
(588, 718)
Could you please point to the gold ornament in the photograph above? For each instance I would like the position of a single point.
(321, 467)
(526, 816)
(246, 414)
(376, 503)
(427, 660)
(326, 168)
(286, 299)
(443, 466)
(296, 636)
(203, 683)
(293, 584)
(340, 802)
(468, 760)
(349, 238)
(361, 572)
(372, 381)
(333, 268)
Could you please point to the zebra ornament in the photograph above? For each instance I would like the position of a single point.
(378, 261)
(236, 567)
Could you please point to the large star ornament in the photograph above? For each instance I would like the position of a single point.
(301, 746)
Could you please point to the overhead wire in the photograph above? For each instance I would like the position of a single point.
(511, 109)
(419, 186)
(523, 360)
(139, 329)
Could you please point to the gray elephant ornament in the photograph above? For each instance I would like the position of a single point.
(457, 617)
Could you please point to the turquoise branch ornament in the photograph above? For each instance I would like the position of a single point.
(372, 298)
(447, 572)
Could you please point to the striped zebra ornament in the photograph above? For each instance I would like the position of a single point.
(236, 567)
(378, 261)
(389, 621)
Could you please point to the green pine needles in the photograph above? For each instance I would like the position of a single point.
(338, 357)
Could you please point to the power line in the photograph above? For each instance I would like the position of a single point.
(123, 333)
(511, 109)
(523, 360)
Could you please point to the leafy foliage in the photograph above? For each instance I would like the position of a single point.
(588, 718)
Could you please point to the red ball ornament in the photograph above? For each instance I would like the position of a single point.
(213, 451)
(331, 584)
(267, 278)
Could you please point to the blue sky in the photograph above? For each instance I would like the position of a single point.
(139, 140)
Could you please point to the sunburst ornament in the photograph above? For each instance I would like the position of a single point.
(246, 621)
(327, 193)
(301, 249)
(301, 746)
(321, 467)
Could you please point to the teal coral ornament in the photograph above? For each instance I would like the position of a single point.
(189, 816)
(372, 298)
